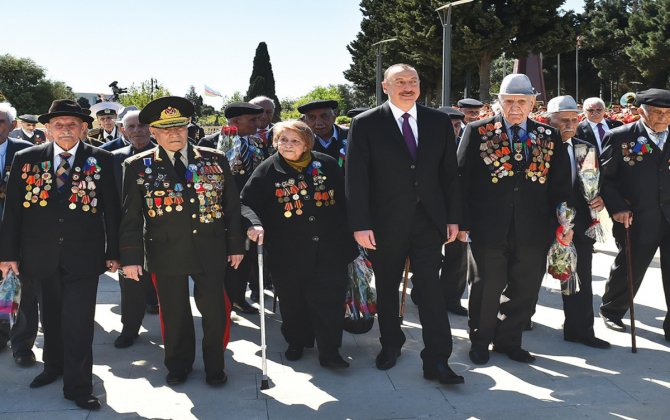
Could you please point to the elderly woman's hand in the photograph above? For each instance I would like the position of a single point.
(255, 233)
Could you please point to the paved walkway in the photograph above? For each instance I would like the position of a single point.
(567, 381)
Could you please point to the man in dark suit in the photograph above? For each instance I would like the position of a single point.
(264, 121)
(62, 235)
(180, 206)
(403, 201)
(121, 141)
(136, 297)
(28, 132)
(320, 117)
(578, 307)
(595, 126)
(637, 185)
(23, 339)
(514, 173)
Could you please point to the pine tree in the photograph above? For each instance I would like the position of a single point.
(649, 50)
(262, 80)
(196, 100)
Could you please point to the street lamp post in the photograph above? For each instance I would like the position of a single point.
(445, 17)
(579, 44)
(378, 78)
(558, 74)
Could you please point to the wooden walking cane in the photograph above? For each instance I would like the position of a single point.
(629, 276)
(404, 290)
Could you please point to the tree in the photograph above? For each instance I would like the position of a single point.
(141, 95)
(262, 80)
(83, 102)
(196, 100)
(235, 97)
(649, 49)
(330, 92)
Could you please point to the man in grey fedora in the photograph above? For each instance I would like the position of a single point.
(514, 173)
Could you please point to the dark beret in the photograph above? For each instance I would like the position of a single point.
(29, 118)
(310, 106)
(469, 103)
(653, 97)
(236, 109)
(355, 111)
(166, 112)
(453, 113)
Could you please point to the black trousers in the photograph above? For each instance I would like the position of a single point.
(246, 272)
(177, 320)
(135, 295)
(645, 240)
(454, 273)
(512, 270)
(578, 308)
(421, 240)
(312, 306)
(67, 302)
(24, 331)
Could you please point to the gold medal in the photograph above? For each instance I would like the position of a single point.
(494, 180)
(511, 173)
(319, 204)
(543, 180)
(151, 213)
(298, 212)
(85, 207)
(287, 214)
(168, 209)
(518, 157)
(72, 206)
(43, 203)
(26, 204)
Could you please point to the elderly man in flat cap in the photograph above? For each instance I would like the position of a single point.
(637, 189)
(27, 130)
(61, 235)
(470, 107)
(182, 208)
(330, 137)
(514, 172)
(578, 307)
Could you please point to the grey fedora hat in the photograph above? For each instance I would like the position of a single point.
(517, 84)
(562, 103)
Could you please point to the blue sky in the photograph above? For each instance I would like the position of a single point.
(88, 44)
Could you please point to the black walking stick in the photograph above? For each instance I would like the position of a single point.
(629, 276)
(264, 361)
(404, 290)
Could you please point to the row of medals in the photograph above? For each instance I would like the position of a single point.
(39, 183)
(631, 156)
(163, 199)
(288, 191)
(208, 190)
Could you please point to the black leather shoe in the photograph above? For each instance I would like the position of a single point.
(517, 354)
(293, 353)
(124, 340)
(458, 310)
(152, 309)
(245, 308)
(216, 379)
(614, 324)
(25, 359)
(176, 378)
(592, 341)
(479, 356)
(387, 358)
(44, 378)
(444, 374)
(87, 403)
(333, 362)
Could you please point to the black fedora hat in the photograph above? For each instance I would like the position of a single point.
(64, 108)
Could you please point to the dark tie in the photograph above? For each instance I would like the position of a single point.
(179, 166)
(407, 133)
(573, 164)
(516, 144)
(110, 138)
(63, 171)
(263, 134)
(601, 132)
(245, 156)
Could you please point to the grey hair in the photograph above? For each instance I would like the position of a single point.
(260, 99)
(645, 107)
(9, 110)
(593, 101)
(129, 114)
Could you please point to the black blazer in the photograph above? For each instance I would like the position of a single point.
(643, 187)
(13, 146)
(585, 132)
(120, 155)
(334, 148)
(115, 144)
(384, 184)
(319, 235)
(39, 136)
(60, 233)
(194, 239)
(530, 206)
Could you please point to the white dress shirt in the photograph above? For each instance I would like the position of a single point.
(58, 150)
(658, 138)
(326, 143)
(594, 128)
(3, 156)
(398, 113)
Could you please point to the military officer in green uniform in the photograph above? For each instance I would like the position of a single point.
(181, 206)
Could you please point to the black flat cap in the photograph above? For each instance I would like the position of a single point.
(353, 112)
(29, 118)
(166, 112)
(309, 106)
(469, 103)
(64, 108)
(453, 113)
(653, 97)
(236, 109)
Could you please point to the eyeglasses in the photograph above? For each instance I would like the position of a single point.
(594, 110)
(288, 142)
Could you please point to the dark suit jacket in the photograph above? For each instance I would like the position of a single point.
(644, 187)
(384, 184)
(115, 144)
(180, 242)
(42, 238)
(39, 137)
(334, 148)
(120, 155)
(585, 132)
(13, 146)
(530, 206)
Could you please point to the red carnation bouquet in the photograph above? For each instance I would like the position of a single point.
(227, 138)
(562, 257)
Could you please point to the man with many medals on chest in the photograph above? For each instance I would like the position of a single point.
(181, 205)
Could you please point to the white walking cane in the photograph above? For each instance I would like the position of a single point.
(264, 366)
